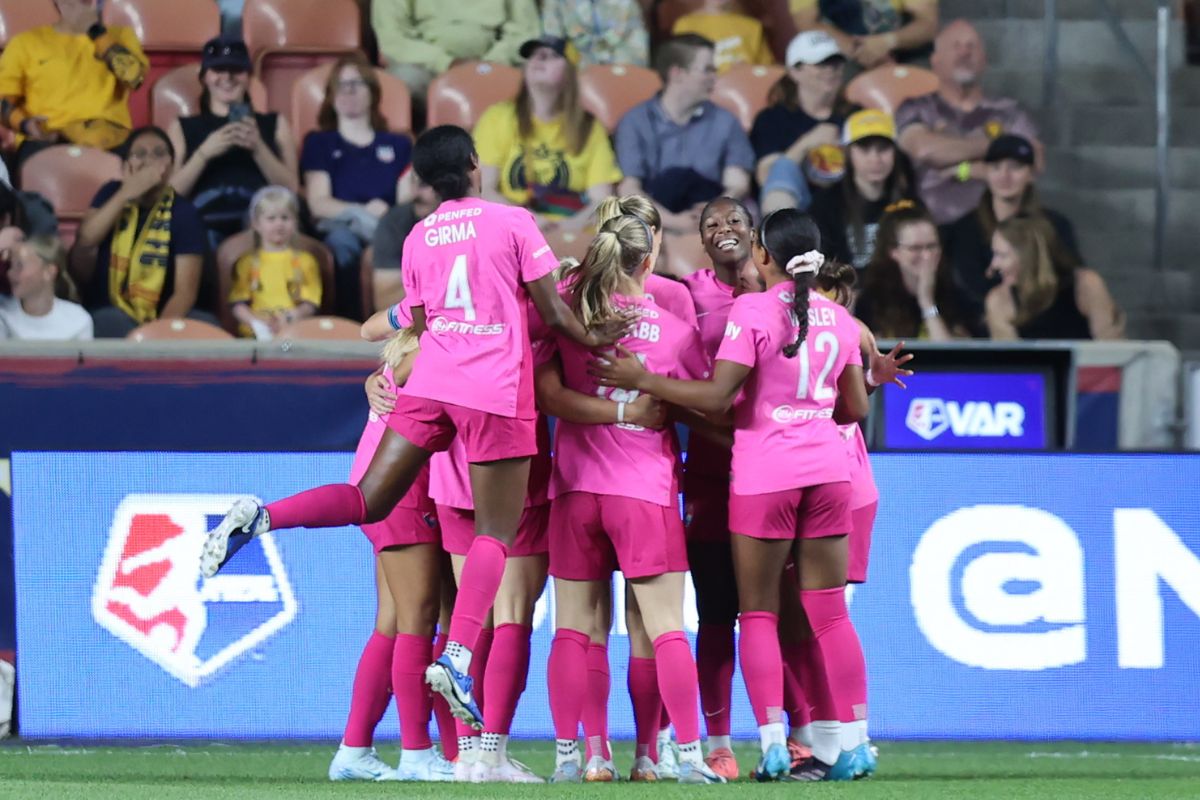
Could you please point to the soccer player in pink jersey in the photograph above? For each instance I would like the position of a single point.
(467, 270)
(789, 366)
(613, 503)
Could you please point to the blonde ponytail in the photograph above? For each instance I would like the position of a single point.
(403, 342)
(613, 256)
(634, 205)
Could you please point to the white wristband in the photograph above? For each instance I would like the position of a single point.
(621, 411)
(871, 379)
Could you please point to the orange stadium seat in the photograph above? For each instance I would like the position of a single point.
(886, 87)
(179, 330)
(69, 177)
(17, 16)
(171, 32)
(287, 38)
(460, 95)
(329, 328)
(610, 90)
(309, 92)
(242, 243)
(177, 94)
(743, 90)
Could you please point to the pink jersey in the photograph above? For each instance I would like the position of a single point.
(467, 264)
(450, 477)
(622, 459)
(672, 295)
(418, 496)
(712, 300)
(784, 435)
(862, 478)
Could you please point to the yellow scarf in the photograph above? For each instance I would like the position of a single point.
(138, 268)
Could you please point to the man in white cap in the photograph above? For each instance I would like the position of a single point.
(796, 141)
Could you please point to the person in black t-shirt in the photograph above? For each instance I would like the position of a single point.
(796, 138)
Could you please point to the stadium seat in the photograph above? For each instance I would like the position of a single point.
(460, 95)
(17, 16)
(309, 92)
(69, 177)
(287, 38)
(337, 328)
(177, 94)
(743, 90)
(166, 330)
(172, 33)
(886, 87)
(610, 90)
(568, 244)
(239, 244)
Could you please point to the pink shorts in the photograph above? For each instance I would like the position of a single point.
(432, 425)
(860, 542)
(404, 527)
(597, 533)
(808, 513)
(458, 531)
(706, 508)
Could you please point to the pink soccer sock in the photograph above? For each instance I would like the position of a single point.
(840, 651)
(328, 506)
(411, 656)
(647, 705)
(504, 680)
(762, 665)
(595, 704)
(372, 691)
(715, 657)
(677, 683)
(478, 673)
(814, 684)
(477, 588)
(567, 677)
(447, 729)
(794, 698)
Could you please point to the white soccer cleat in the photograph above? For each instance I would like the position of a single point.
(351, 765)
(698, 773)
(668, 756)
(231, 535)
(434, 769)
(464, 765)
(643, 770)
(481, 772)
(509, 770)
(599, 770)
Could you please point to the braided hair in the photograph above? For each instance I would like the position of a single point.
(793, 241)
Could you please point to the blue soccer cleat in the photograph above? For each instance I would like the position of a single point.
(455, 686)
(846, 767)
(243, 522)
(774, 765)
(867, 760)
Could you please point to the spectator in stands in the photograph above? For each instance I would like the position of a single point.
(352, 167)
(277, 283)
(1010, 192)
(228, 152)
(601, 31)
(140, 249)
(876, 175)
(738, 38)
(947, 133)
(678, 147)
(797, 138)
(70, 81)
(908, 291)
(543, 150)
(39, 307)
(872, 32)
(1043, 293)
(420, 39)
(388, 245)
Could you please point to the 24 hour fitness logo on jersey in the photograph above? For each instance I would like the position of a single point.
(149, 593)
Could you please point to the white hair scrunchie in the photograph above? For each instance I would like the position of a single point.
(807, 262)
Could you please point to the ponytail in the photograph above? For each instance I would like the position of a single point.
(839, 279)
(793, 242)
(403, 342)
(614, 255)
(634, 205)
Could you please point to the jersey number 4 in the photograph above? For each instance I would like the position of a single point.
(458, 289)
(826, 343)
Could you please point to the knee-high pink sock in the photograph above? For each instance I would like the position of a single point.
(410, 657)
(595, 704)
(477, 588)
(328, 506)
(447, 730)
(762, 665)
(840, 651)
(678, 685)
(504, 680)
(647, 705)
(814, 683)
(794, 699)
(372, 691)
(715, 656)
(567, 677)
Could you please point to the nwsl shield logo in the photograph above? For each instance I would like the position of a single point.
(927, 418)
(149, 593)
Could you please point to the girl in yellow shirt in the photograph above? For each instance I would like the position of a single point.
(277, 283)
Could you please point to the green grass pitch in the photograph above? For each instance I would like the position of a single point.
(976, 771)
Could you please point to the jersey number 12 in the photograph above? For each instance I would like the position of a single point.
(826, 342)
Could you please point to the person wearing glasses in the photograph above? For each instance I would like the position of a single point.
(352, 167)
(70, 81)
(228, 152)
